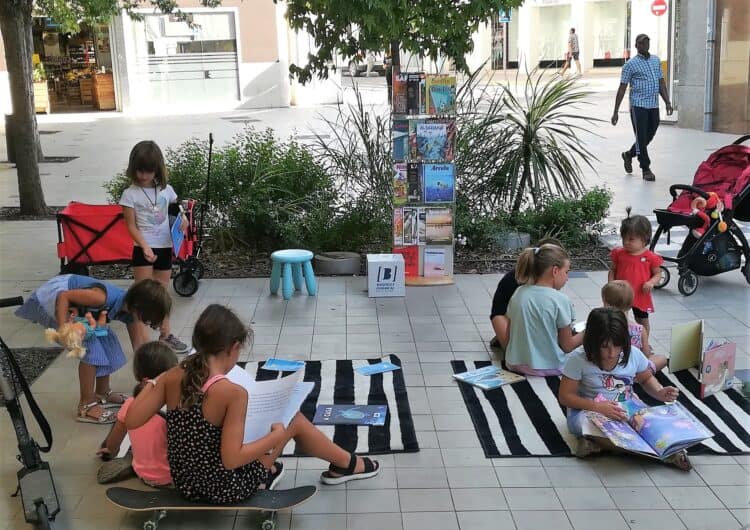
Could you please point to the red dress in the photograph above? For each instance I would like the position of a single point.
(636, 270)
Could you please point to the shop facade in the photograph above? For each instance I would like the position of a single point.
(231, 57)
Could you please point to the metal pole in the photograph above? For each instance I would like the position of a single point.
(708, 89)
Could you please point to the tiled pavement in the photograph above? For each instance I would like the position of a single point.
(449, 484)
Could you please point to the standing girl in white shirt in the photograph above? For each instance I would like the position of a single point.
(146, 207)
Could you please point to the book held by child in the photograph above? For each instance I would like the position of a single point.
(658, 431)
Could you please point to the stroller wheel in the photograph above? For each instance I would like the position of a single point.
(664, 278)
(688, 283)
(185, 284)
(746, 272)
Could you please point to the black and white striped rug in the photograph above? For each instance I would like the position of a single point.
(336, 382)
(525, 418)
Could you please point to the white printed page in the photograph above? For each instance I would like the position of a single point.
(269, 402)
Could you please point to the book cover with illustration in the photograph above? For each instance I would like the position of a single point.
(435, 140)
(399, 92)
(439, 182)
(400, 140)
(434, 262)
(415, 84)
(413, 124)
(411, 259)
(413, 182)
(421, 226)
(398, 226)
(350, 415)
(489, 377)
(441, 94)
(400, 188)
(410, 226)
(438, 226)
(657, 431)
(717, 368)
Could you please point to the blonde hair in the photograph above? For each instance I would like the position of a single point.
(534, 262)
(618, 294)
(67, 337)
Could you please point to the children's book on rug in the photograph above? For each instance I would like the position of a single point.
(378, 368)
(717, 368)
(657, 431)
(283, 365)
(715, 362)
(350, 415)
(489, 377)
(269, 402)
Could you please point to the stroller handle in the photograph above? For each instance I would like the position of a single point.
(674, 187)
(11, 302)
(741, 140)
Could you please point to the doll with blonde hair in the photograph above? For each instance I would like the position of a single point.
(73, 334)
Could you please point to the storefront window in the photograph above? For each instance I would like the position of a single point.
(179, 63)
(554, 23)
(732, 60)
(504, 43)
(609, 30)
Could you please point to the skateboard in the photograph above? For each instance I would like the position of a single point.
(161, 501)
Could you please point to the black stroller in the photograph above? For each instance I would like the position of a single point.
(719, 196)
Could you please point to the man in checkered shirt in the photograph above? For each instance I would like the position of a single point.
(643, 74)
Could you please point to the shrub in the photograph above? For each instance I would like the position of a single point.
(264, 192)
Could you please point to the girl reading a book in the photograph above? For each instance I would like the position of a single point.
(600, 379)
(206, 421)
(539, 315)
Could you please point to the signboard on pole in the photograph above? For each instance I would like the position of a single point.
(505, 15)
(659, 7)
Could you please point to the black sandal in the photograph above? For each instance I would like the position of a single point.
(372, 468)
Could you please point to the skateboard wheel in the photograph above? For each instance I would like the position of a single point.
(150, 525)
(268, 524)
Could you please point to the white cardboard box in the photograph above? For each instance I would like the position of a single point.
(385, 275)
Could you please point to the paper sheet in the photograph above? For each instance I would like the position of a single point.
(268, 402)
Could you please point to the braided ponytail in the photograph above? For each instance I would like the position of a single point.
(215, 332)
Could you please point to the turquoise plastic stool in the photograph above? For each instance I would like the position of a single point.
(289, 266)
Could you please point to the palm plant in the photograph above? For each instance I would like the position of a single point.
(543, 146)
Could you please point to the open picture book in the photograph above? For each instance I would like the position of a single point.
(658, 431)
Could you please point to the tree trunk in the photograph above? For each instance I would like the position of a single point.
(521, 191)
(15, 24)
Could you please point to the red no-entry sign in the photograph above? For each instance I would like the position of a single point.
(659, 7)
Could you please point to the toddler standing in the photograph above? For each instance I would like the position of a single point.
(637, 265)
(146, 209)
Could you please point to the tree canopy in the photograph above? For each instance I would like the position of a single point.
(430, 28)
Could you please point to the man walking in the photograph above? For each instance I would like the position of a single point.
(573, 52)
(643, 74)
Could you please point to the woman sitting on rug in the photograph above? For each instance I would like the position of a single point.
(539, 315)
(206, 423)
(600, 378)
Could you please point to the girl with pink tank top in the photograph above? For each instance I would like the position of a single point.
(149, 441)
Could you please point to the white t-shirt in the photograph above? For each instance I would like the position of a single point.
(151, 206)
(612, 384)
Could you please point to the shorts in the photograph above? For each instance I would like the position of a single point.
(639, 313)
(573, 55)
(163, 258)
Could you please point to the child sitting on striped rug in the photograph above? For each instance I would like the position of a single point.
(599, 377)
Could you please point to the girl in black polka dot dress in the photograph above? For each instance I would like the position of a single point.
(206, 420)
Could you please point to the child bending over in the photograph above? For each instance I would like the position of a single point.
(206, 421)
(602, 375)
